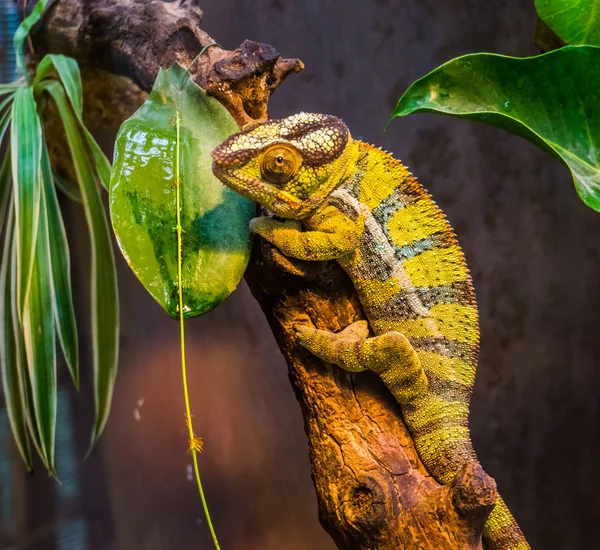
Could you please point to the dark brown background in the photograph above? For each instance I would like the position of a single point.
(534, 252)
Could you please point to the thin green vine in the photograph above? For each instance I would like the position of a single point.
(195, 443)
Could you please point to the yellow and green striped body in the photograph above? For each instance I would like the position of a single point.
(412, 278)
(360, 206)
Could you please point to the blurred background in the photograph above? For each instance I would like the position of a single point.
(534, 252)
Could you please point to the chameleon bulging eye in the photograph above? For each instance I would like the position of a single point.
(279, 164)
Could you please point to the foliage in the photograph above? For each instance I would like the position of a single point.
(184, 234)
(550, 99)
(36, 303)
(216, 243)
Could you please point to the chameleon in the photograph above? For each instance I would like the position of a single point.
(358, 205)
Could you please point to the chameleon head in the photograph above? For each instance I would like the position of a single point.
(288, 165)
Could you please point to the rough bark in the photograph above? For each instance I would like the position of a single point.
(373, 491)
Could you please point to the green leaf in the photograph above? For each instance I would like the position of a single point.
(26, 151)
(5, 103)
(10, 88)
(34, 429)
(5, 188)
(10, 364)
(68, 187)
(545, 38)
(550, 99)
(68, 72)
(23, 31)
(573, 21)
(104, 296)
(4, 118)
(216, 242)
(40, 340)
(62, 297)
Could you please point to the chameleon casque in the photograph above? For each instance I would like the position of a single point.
(360, 206)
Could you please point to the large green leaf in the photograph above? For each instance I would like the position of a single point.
(551, 100)
(574, 21)
(10, 364)
(62, 297)
(68, 72)
(216, 242)
(104, 296)
(39, 336)
(26, 151)
(22, 32)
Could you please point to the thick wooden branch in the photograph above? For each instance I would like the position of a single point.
(136, 37)
(373, 491)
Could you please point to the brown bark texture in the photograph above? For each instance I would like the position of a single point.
(373, 491)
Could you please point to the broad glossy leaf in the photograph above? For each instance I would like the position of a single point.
(545, 38)
(22, 32)
(26, 151)
(12, 380)
(68, 72)
(216, 242)
(62, 297)
(104, 296)
(40, 340)
(550, 99)
(573, 21)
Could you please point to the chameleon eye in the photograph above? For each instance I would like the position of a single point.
(279, 164)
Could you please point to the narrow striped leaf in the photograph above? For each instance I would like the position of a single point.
(69, 188)
(21, 359)
(5, 115)
(104, 296)
(12, 380)
(26, 153)
(68, 72)
(62, 296)
(22, 32)
(39, 336)
(6, 101)
(9, 88)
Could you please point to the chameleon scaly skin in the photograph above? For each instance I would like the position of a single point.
(363, 208)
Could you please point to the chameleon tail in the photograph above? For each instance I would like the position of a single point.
(501, 531)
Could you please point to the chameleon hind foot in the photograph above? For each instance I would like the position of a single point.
(390, 355)
(341, 348)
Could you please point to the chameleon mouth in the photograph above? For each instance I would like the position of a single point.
(275, 199)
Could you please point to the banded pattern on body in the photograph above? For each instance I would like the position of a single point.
(412, 278)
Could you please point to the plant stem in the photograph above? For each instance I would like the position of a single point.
(194, 442)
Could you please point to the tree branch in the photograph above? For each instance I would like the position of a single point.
(373, 491)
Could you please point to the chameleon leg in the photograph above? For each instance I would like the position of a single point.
(336, 236)
(390, 355)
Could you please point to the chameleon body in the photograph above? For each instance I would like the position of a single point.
(360, 206)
